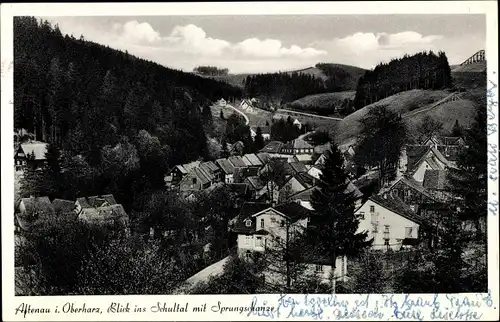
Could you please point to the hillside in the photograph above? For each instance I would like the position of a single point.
(469, 76)
(478, 67)
(236, 80)
(402, 102)
(322, 104)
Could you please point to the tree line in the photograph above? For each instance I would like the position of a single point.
(211, 71)
(424, 70)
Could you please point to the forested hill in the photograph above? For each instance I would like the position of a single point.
(84, 95)
(424, 70)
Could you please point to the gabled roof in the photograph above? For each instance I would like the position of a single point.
(298, 167)
(412, 183)
(185, 168)
(254, 182)
(303, 157)
(298, 144)
(237, 162)
(397, 206)
(210, 166)
(450, 140)
(451, 153)
(201, 175)
(113, 215)
(38, 204)
(254, 160)
(38, 148)
(209, 174)
(247, 162)
(272, 147)
(237, 146)
(305, 195)
(63, 206)
(225, 165)
(435, 180)
(415, 155)
(96, 201)
(304, 179)
(263, 157)
(293, 210)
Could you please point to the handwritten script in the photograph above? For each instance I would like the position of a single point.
(468, 307)
(492, 129)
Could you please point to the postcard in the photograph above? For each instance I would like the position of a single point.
(232, 161)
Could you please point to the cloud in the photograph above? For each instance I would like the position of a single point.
(368, 49)
(136, 32)
(193, 39)
(273, 48)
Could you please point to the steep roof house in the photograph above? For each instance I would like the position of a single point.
(411, 192)
(31, 153)
(227, 169)
(438, 184)
(94, 202)
(179, 171)
(297, 146)
(196, 179)
(416, 159)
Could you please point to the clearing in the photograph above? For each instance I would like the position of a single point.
(321, 104)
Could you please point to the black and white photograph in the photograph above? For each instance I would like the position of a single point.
(250, 154)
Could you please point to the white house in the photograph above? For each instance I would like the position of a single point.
(267, 227)
(227, 169)
(389, 221)
(416, 159)
(222, 102)
(265, 130)
(297, 123)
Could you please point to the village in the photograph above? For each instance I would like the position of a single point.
(272, 191)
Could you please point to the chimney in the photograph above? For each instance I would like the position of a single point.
(385, 195)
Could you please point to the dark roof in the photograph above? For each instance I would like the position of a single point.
(415, 154)
(225, 165)
(410, 241)
(272, 147)
(63, 206)
(435, 180)
(254, 182)
(304, 179)
(305, 195)
(250, 208)
(38, 204)
(96, 201)
(201, 175)
(209, 166)
(293, 210)
(263, 157)
(298, 167)
(238, 146)
(237, 188)
(397, 206)
(412, 183)
(237, 162)
(246, 212)
(254, 160)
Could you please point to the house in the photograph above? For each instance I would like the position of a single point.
(437, 183)
(435, 140)
(112, 217)
(196, 179)
(298, 167)
(265, 130)
(297, 146)
(389, 221)
(31, 153)
(239, 193)
(263, 191)
(94, 202)
(222, 102)
(212, 170)
(297, 123)
(263, 157)
(304, 197)
(65, 207)
(314, 172)
(237, 148)
(237, 162)
(416, 159)
(411, 192)
(295, 183)
(271, 227)
(253, 160)
(249, 105)
(227, 170)
(179, 171)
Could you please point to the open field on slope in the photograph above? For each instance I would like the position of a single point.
(321, 104)
(402, 102)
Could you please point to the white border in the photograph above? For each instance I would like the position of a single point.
(155, 9)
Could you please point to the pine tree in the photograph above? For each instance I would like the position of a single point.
(334, 226)
(224, 150)
(52, 176)
(222, 115)
(457, 129)
(259, 140)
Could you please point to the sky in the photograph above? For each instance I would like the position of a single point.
(265, 43)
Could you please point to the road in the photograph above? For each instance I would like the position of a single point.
(247, 121)
(308, 114)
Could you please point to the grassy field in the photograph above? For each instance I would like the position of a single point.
(315, 122)
(478, 67)
(256, 119)
(402, 102)
(321, 103)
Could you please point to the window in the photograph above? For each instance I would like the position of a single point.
(362, 215)
(194, 180)
(273, 220)
(248, 240)
(248, 223)
(259, 242)
(319, 269)
(386, 229)
(262, 223)
(372, 208)
(375, 228)
(408, 232)
(282, 223)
